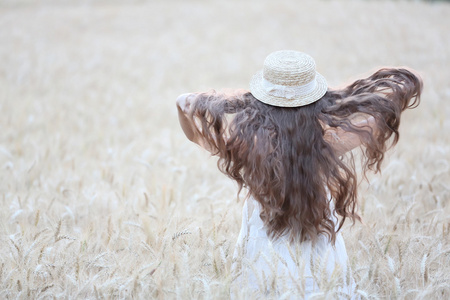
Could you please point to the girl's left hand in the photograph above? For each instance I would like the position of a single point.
(184, 102)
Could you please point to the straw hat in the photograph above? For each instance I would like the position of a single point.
(288, 79)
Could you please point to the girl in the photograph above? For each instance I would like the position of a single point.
(285, 141)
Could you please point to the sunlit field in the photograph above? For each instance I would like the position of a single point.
(102, 196)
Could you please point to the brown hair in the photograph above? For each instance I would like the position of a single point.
(281, 156)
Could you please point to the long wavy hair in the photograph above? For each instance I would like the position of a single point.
(281, 156)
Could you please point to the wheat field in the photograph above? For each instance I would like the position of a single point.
(102, 196)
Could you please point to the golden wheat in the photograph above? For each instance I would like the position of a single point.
(103, 197)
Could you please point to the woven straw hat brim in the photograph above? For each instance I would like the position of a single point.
(260, 93)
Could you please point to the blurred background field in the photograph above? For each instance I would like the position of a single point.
(103, 197)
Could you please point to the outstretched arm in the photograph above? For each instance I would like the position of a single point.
(383, 95)
(343, 141)
(183, 106)
(203, 116)
(190, 129)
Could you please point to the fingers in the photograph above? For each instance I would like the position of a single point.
(184, 102)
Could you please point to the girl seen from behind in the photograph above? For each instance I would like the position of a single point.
(287, 142)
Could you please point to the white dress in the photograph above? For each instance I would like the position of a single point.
(279, 268)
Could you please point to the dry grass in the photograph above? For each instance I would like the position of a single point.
(102, 196)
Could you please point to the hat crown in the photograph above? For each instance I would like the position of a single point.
(289, 68)
(288, 79)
